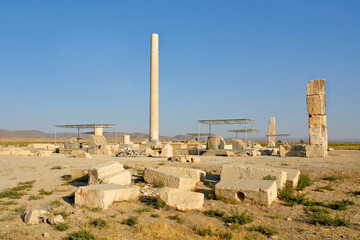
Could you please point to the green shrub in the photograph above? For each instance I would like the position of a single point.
(226, 235)
(318, 209)
(304, 181)
(326, 220)
(126, 167)
(177, 218)
(130, 221)
(43, 192)
(264, 230)
(81, 235)
(341, 205)
(145, 209)
(61, 227)
(34, 197)
(56, 167)
(287, 194)
(269, 177)
(238, 218)
(20, 209)
(99, 223)
(214, 213)
(205, 232)
(154, 215)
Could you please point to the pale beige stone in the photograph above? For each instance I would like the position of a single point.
(80, 154)
(316, 87)
(254, 153)
(292, 176)
(35, 216)
(126, 139)
(179, 158)
(195, 159)
(181, 200)
(44, 153)
(271, 131)
(54, 220)
(169, 179)
(229, 171)
(103, 195)
(215, 143)
(316, 104)
(109, 173)
(197, 174)
(80, 172)
(167, 151)
(154, 88)
(22, 153)
(262, 192)
(44, 146)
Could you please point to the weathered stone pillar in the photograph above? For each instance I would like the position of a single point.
(154, 89)
(316, 106)
(271, 131)
(98, 131)
(126, 139)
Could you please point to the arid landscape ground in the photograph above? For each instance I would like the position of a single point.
(333, 179)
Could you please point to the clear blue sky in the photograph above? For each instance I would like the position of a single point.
(68, 62)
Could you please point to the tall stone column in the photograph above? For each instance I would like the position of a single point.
(98, 131)
(271, 131)
(154, 89)
(316, 106)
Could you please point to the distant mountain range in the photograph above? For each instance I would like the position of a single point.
(39, 135)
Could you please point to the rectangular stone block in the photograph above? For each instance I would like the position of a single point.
(182, 200)
(318, 131)
(316, 152)
(110, 172)
(316, 104)
(315, 87)
(292, 176)
(102, 196)
(169, 179)
(80, 173)
(247, 172)
(262, 192)
(197, 174)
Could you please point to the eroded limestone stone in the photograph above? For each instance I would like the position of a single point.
(167, 151)
(197, 174)
(168, 179)
(182, 200)
(109, 173)
(80, 154)
(103, 195)
(262, 192)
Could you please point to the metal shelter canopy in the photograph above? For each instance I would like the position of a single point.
(226, 121)
(87, 126)
(245, 130)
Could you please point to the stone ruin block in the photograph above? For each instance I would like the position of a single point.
(247, 172)
(316, 87)
(215, 143)
(262, 192)
(197, 174)
(223, 153)
(169, 179)
(271, 131)
(95, 142)
(292, 176)
(109, 173)
(44, 153)
(292, 150)
(73, 143)
(103, 195)
(316, 106)
(181, 200)
(238, 144)
(81, 173)
(166, 151)
(80, 154)
(254, 153)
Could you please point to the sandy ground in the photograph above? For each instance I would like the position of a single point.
(291, 222)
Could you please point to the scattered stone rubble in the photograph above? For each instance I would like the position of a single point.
(131, 153)
(36, 216)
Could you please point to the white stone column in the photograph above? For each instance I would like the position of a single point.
(154, 89)
(126, 139)
(98, 131)
(271, 131)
